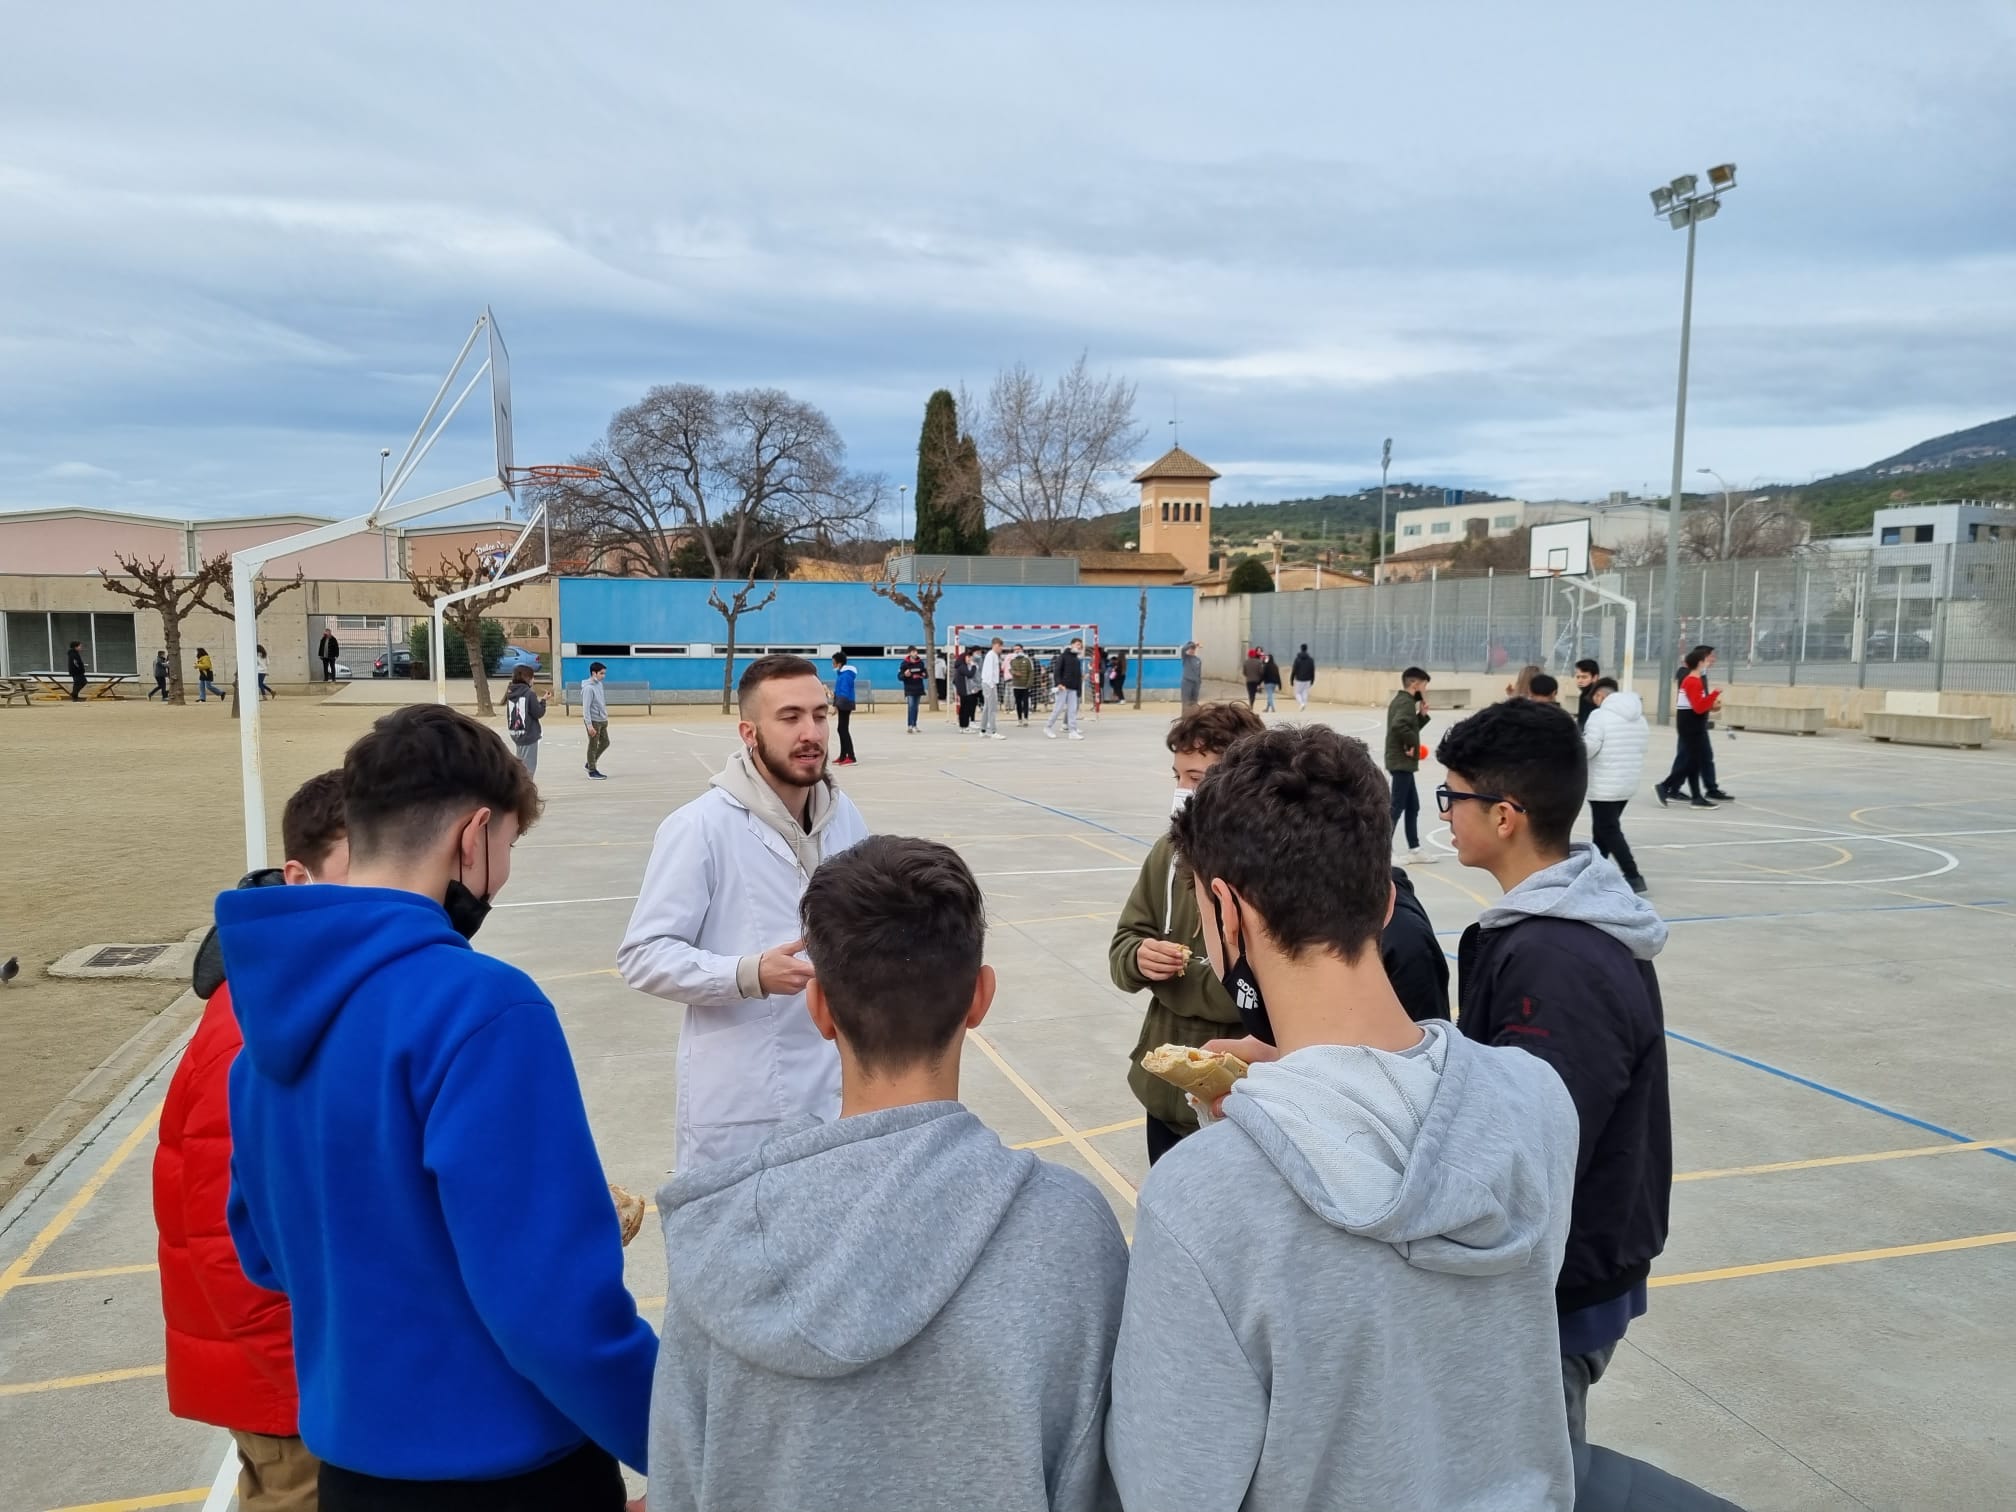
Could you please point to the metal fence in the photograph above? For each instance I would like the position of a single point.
(1925, 617)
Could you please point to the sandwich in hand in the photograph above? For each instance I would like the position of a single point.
(629, 1211)
(1205, 1076)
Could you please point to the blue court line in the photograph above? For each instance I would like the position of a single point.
(1060, 813)
(1835, 1092)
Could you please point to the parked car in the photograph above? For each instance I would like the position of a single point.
(402, 665)
(1913, 645)
(515, 657)
(342, 671)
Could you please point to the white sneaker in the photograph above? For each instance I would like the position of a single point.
(1048, 733)
(997, 735)
(1076, 736)
(1420, 858)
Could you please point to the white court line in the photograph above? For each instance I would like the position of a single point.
(1820, 838)
(1058, 871)
(564, 902)
(224, 1489)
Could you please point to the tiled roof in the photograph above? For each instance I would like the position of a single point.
(1175, 463)
(1127, 561)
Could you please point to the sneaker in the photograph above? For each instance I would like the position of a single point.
(1638, 884)
(845, 761)
(1076, 736)
(1721, 797)
(997, 735)
(598, 776)
(1420, 858)
(1048, 733)
(1702, 803)
(1663, 796)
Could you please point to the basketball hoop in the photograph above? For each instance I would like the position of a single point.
(550, 473)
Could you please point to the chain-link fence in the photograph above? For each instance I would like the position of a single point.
(1928, 617)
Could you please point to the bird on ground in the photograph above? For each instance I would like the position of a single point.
(11, 969)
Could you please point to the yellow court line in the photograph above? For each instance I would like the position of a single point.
(1843, 1160)
(140, 1503)
(1073, 1137)
(1058, 1139)
(1055, 919)
(49, 1278)
(1846, 1257)
(25, 1261)
(1435, 876)
(98, 1378)
(1104, 849)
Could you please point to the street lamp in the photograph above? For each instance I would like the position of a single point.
(1379, 572)
(903, 514)
(1683, 204)
(385, 544)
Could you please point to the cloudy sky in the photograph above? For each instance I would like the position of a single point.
(238, 244)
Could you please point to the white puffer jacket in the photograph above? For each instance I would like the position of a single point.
(1615, 738)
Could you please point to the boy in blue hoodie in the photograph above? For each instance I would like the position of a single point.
(412, 1164)
(891, 1311)
(1350, 1277)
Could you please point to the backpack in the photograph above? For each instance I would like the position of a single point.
(514, 715)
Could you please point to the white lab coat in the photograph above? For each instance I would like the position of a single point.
(722, 884)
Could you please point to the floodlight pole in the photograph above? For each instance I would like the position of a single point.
(1379, 572)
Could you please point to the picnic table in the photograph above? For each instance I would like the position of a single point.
(17, 690)
(57, 684)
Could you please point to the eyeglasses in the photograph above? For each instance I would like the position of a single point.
(1446, 798)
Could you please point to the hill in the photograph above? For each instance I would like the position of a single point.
(1983, 444)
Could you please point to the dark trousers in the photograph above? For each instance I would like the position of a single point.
(77, 682)
(1407, 805)
(1252, 692)
(328, 669)
(1606, 821)
(843, 714)
(1693, 762)
(160, 686)
(1162, 1138)
(588, 1480)
(1022, 705)
(968, 702)
(1606, 1481)
(598, 742)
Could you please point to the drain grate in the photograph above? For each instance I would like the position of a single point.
(124, 955)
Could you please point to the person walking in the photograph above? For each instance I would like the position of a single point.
(843, 706)
(911, 675)
(962, 687)
(1117, 676)
(1690, 723)
(1256, 662)
(1587, 671)
(939, 675)
(1708, 777)
(78, 676)
(160, 675)
(1615, 739)
(1022, 674)
(1191, 688)
(1270, 679)
(595, 715)
(1067, 674)
(1303, 674)
(993, 673)
(328, 649)
(523, 709)
(206, 677)
(717, 924)
(260, 666)
(1406, 713)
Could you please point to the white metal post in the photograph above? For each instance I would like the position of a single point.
(1671, 616)
(245, 639)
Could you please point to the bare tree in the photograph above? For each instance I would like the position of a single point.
(262, 596)
(930, 589)
(468, 568)
(1753, 533)
(173, 595)
(1052, 456)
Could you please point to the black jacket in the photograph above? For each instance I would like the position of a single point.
(1577, 998)
(911, 674)
(1413, 957)
(1585, 705)
(1304, 669)
(1270, 674)
(76, 663)
(1067, 671)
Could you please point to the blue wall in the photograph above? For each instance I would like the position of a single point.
(657, 612)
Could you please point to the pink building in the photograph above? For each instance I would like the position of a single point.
(60, 542)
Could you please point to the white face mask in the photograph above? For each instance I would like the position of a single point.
(1181, 801)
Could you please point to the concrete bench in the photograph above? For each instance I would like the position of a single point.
(1447, 698)
(1928, 729)
(617, 695)
(1779, 719)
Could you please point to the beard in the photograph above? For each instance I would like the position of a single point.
(778, 761)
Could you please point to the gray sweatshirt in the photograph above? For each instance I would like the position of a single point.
(594, 707)
(1353, 1277)
(892, 1312)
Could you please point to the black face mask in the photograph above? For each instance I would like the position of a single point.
(466, 910)
(1243, 985)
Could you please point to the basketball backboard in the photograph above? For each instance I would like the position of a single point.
(1559, 550)
(500, 404)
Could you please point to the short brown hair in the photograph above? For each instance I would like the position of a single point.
(773, 668)
(313, 821)
(1209, 729)
(895, 927)
(417, 769)
(522, 674)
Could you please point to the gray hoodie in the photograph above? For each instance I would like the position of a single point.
(1590, 890)
(891, 1313)
(1353, 1275)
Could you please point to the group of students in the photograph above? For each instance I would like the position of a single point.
(1387, 1268)
(983, 679)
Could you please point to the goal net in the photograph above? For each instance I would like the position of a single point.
(1042, 643)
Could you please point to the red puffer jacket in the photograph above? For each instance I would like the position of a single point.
(230, 1343)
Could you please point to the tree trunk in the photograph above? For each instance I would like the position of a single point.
(931, 659)
(171, 637)
(728, 666)
(472, 643)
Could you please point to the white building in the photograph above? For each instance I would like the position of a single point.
(1616, 524)
(1963, 522)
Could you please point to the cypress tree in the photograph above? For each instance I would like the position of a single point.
(937, 459)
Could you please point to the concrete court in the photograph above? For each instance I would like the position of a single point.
(1831, 1327)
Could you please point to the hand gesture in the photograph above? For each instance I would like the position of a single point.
(782, 971)
(1161, 960)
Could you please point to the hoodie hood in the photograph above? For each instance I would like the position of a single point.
(1590, 890)
(833, 1245)
(741, 781)
(1625, 704)
(1426, 1150)
(358, 931)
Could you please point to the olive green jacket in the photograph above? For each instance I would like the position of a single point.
(1185, 1010)
(1403, 733)
(1021, 671)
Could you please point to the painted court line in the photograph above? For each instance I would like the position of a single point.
(49, 1278)
(1047, 808)
(1058, 1139)
(1845, 1257)
(67, 1214)
(1845, 1160)
(141, 1503)
(1073, 1137)
(96, 1378)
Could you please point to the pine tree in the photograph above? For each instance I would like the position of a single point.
(950, 518)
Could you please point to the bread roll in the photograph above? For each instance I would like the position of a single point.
(1206, 1077)
(629, 1211)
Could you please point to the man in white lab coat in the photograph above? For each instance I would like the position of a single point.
(993, 673)
(716, 922)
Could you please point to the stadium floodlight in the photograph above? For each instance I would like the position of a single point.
(1683, 206)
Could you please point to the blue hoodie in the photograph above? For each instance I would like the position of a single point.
(412, 1166)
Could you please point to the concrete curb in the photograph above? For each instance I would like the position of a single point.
(99, 1098)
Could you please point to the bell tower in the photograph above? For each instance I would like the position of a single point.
(1176, 508)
